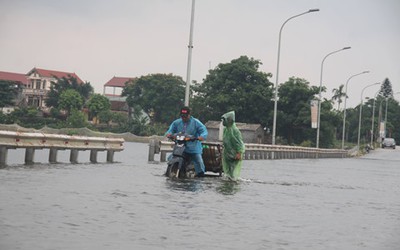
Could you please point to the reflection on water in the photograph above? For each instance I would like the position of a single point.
(190, 185)
(228, 187)
(222, 185)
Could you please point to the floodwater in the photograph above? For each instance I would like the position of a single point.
(281, 204)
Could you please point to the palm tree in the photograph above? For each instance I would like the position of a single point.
(338, 94)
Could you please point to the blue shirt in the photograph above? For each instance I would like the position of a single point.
(192, 127)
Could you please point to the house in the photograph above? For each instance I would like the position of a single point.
(116, 84)
(39, 82)
(20, 81)
(251, 133)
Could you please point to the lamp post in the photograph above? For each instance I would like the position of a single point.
(359, 118)
(277, 73)
(373, 119)
(344, 110)
(386, 115)
(381, 130)
(189, 64)
(320, 89)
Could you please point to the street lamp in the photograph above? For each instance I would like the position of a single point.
(320, 89)
(381, 129)
(344, 110)
(359, 119)
(373, 119)
(277, 73)
(386, 115)
(189, 64)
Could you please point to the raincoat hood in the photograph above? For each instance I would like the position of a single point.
(228, 119)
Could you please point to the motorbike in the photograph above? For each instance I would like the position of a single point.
(179, 163)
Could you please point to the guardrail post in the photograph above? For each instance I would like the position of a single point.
(152, 150)
(53, 155)
(110, 155)
(73, 157)
(3, 155)
(29, 155)
(93, 156)
(163, 156)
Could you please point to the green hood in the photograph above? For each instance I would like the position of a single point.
(228, 119)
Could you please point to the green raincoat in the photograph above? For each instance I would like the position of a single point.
(232, 156)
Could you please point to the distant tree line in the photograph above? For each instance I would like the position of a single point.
(154, 101)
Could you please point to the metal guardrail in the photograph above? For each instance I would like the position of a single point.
(55, 142)
(258, 151)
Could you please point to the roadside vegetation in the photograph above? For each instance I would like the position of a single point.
(154, 101)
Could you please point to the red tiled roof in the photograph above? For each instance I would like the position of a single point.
(14, 77)
(118, 81)
(53, 73)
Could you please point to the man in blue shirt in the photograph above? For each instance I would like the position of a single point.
(191, 126)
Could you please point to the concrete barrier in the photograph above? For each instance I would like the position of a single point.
(54, 142)
(258, 151)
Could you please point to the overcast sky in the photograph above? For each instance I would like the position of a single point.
(99, 39)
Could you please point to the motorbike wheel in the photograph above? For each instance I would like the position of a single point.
(173, 170)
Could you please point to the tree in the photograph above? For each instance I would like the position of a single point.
(28, 117)
(120, 119)
(98, 103)
(338, 94)
(330, 121)
(139, 124)
(76, 119)
(393, 119)
(353, 114)
(70, 100)
(159, 95)
(238, 86)
(294, 113)
(386, 89)
(8, 93)
(62, 84)
(105, 116)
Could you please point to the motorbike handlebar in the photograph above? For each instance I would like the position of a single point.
(187, 137)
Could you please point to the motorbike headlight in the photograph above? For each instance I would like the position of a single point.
(180, 137)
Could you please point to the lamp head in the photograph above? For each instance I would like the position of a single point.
(313, 10)
(346, 48)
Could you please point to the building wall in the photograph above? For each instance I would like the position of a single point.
(37, 90)
(212, 135)
(248, 136)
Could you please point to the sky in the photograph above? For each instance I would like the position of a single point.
(100, 39)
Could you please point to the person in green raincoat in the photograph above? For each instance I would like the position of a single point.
(232, 155)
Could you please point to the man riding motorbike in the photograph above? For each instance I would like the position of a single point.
(191, 126)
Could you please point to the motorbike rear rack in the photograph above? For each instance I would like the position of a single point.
(212, 157)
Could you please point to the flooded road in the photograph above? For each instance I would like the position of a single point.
(282, 204)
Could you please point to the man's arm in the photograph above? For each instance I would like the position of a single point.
(202, 131)
(172, 129)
